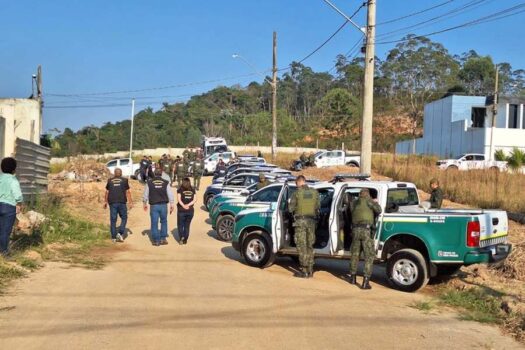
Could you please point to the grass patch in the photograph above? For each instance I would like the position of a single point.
(62, 237)
(55, 168)
(8, 273)
(475, 304)
(425, 306)
(478, 188)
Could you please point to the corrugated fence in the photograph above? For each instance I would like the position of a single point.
(33, 167)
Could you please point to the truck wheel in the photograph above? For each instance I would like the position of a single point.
(257, 251)
(352, 165)
(452, 168)
(225, 227)
(209, 198)
(137, 175)
(407, 270)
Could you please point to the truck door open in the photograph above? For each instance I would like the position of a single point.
(336, 220)
(277, 219)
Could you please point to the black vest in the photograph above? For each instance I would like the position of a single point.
(158, 193)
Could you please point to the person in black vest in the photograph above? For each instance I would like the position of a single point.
(118, 194)
(158, 194)
(185, 201)
(144, 163)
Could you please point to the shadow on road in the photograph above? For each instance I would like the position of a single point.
(337, 268)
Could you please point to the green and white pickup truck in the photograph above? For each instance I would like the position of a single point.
(415, 243)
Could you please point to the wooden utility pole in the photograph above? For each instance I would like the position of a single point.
(131, 131)
(494, 113)
(274, 97)
(368, 91)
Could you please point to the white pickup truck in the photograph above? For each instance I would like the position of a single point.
(326, 158)
(471, 161)
(126, 165)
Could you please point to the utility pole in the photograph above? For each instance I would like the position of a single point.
(494, 113)
(274, 97)
(131, 133)
(368, 91)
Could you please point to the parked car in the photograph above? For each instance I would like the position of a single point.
(415, 243)
(210, 163)
(335, 158)
(254, 170)
(471, 161)
(235, 184)
(251, 159)
(129, 169)
(222, 213)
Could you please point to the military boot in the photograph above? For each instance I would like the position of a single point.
(301, 274)
(353, 279)
(366, 283)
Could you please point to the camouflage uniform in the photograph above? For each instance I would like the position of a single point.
(262, 182)
(303, 159)
(311, 159)
(436, 198)
(198, 170)
(364, 211)
(182, 169)
(304, 204)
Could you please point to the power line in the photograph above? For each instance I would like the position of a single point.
(489, 18)
(414, 13)
(441, 17)
(154, 88)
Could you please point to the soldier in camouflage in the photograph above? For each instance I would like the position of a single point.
(304, 205)
(181, 170)
(436, 197)
(263, 182)
(364, 211)
(198, 171)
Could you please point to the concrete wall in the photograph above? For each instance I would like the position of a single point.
(156, 153)
(22, 119)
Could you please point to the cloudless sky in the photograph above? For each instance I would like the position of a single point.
(114, 45)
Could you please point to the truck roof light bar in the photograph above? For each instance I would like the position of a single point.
(343, 177)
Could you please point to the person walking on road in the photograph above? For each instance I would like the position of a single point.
(118, 196)
(10, 202)
(144, 163)
(364, 212)
(436, 197)
(158, 194)
(220, 169)
(181, 171)
(185, 209)
(304, 205)
(198, 171)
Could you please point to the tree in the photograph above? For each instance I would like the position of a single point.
(339, 110)
(477, 75)
(419, 71)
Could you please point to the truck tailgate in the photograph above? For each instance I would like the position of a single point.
(494, 226)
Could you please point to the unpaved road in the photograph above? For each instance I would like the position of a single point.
(201, 296)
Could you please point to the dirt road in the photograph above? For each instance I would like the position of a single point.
(201, 296)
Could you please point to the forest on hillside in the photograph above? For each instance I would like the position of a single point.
(323, 106)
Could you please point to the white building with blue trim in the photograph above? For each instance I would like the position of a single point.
(455, 125)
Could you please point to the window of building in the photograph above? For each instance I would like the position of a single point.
(514, 112)
(478, 117)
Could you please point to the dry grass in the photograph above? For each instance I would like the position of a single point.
(477, 188)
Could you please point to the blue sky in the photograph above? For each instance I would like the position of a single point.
(98, 46)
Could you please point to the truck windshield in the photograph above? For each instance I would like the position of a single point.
(402, 197)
